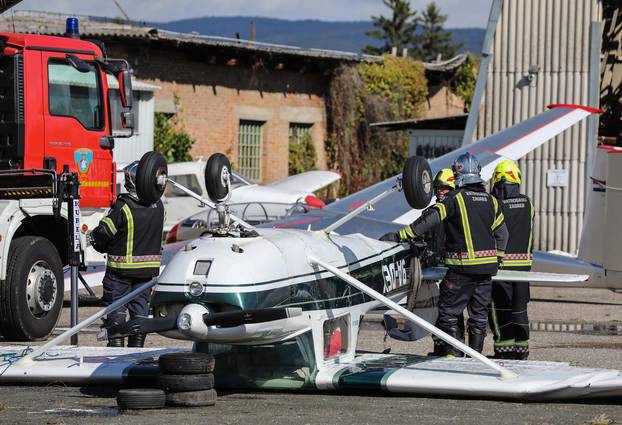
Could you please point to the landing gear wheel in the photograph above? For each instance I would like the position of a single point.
(417, 182)
(140, 398)
(186, 363)
(184, 383)
(192, 398)
(217, 169)
(151, 177)
(31, 297)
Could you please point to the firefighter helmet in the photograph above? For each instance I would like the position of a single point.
(507, 171)
(467, 170)
(444, 179)
(129, 173)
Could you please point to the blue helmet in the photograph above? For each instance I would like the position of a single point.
(467, 170)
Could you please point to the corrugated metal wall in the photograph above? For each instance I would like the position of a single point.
(434, 143)
(552, 36)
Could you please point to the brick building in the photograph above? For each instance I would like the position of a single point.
(239, 97)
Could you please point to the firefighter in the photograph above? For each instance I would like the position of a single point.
(131, 235)
(443, 184)
(476, 237)
(508, 309)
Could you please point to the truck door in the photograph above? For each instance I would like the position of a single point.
(75, 121)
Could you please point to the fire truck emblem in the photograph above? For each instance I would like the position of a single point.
(83, 158)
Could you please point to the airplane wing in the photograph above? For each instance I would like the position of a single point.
(306, 182)
(394, 212)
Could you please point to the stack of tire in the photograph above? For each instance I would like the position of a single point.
(185, 380)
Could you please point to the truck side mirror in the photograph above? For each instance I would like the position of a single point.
(125, 87)
(127, 119)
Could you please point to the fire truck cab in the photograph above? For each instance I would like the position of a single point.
(54, 116)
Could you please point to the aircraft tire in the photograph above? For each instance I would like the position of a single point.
(185, 383)
(140, 398)
(31, 297)
(151, 166)
(192, 398)
(417, 182)
(186, 363)
(214, 169)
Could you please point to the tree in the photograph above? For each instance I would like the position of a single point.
(434, 40)
(397, 31)
(170, 141)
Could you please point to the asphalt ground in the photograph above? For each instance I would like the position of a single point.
(56, 404)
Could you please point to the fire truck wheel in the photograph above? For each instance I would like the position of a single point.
(151, 177)
(417, 182)
(31, 297)
(216, 171)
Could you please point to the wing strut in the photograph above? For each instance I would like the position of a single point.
(364, 206)
(503, 372)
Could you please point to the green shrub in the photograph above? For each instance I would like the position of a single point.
(302, 155)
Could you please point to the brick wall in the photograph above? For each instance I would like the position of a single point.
(214, 98)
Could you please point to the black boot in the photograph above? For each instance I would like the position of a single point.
(476, 339)
(116, 342)
(441, 348)
(136, 340)
(521, 352)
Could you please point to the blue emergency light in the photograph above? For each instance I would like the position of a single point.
(71, 28)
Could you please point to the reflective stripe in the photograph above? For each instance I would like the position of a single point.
(129, 246)
(495, 321)
(500, 253)
(533, 211)
(441, 210)
(110, 225)
(142, 265)
(470, 261)
(135, 258)
(516, 263)
(524, 343)
(494, 201)
(465, 225)
(498, 221)
(505, 343)
(477, 254)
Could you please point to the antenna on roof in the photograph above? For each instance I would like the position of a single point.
(125, 15)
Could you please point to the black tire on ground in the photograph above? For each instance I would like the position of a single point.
(186, 363)
(151, 165)
(214, 182)
(417, 182)
(31, 297)
(192, 399)
(184, 383)
(141, 398)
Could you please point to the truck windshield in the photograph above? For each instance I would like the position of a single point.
(75, 94)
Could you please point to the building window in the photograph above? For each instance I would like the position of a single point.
(297, 131)
(250, 150)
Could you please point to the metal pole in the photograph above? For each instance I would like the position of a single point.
(360, 209)
(75, 329)
(208, 203)
(482, 73)
(503, 372)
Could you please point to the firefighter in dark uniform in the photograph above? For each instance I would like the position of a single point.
(508, 309)
(476, 237)
(435, 239)
(131, 236)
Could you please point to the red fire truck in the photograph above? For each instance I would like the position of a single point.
(54, 121)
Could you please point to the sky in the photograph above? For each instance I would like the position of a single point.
(461, 13)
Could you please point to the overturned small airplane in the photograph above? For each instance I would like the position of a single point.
(284, 304)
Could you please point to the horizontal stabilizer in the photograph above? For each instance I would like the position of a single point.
(438, 273)
(516, 276)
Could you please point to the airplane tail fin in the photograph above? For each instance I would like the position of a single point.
(601, 236)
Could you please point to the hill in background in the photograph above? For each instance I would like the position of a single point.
(345, 36)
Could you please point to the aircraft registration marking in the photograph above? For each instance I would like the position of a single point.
(395, 275)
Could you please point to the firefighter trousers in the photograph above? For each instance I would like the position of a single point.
(116, 286)
(459, 291)
(508, 317)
